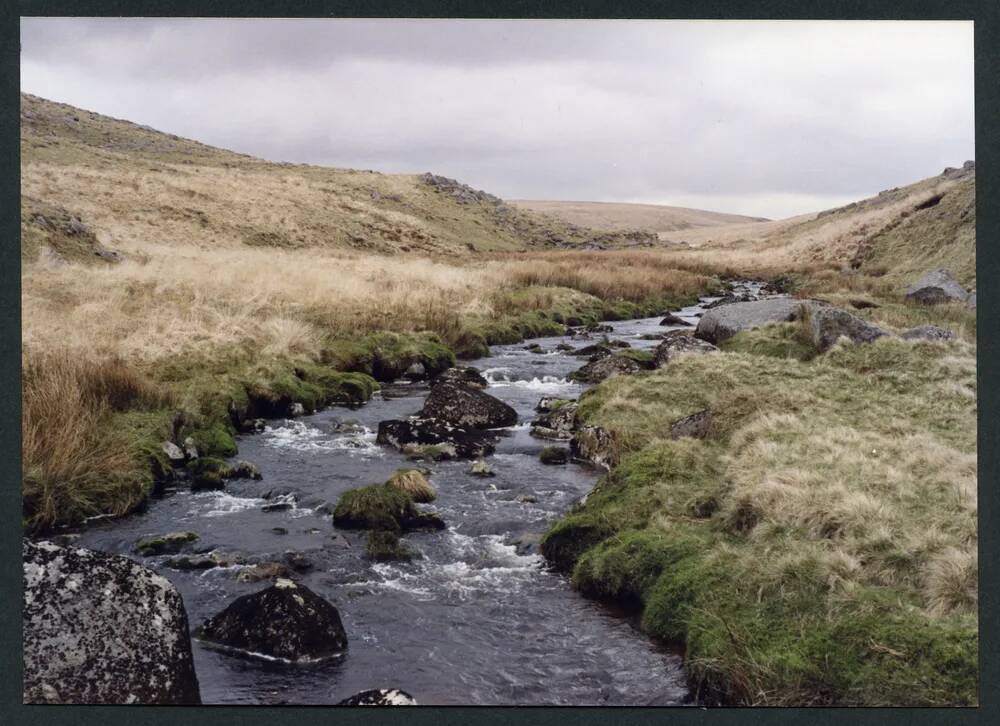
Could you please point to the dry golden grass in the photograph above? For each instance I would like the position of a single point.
(414, 483)
(658, 218)
(76, 464)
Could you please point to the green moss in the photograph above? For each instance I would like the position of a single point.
(165, 544)
(642, 357)
(571, 537)
(211, 440)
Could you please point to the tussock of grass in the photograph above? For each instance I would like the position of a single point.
(819, 546)
(80, 457)
(414, 483)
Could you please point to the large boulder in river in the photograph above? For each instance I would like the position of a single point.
(679, 342)
(612, 365)
(937, 286)
(99, 628)
(724, 322)
(459, 405)
(454, 442)
(829, 324)
(286, 621)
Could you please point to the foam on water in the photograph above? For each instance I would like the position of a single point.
(299, 436)
(220, 503)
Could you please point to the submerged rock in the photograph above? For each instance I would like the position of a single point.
(163, 544)
(677, 343)
(937, 286)
(612, 365)
(829, 324)
(460, 405)
(98, 628)
(380, 697)
(287, 621)
(384, 546)
(554, 455)
(264, 571)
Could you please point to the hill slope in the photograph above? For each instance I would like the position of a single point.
(901, 232)
(657, 218)
(91, 182)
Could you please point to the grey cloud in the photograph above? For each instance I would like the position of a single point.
(759, 117)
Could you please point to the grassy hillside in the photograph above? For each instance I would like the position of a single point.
(901, 232)
(133, 186)
(656, 218)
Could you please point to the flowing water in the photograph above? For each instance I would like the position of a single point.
(474, 621)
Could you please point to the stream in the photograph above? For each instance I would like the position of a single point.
(475, 621)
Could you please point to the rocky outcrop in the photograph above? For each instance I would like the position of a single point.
(695, 426)
(453, 442)
(380, 697)
(468, 376)
(287, 621)
(829, 324)
(724, 322)
(604, 367)
(597, 350)
(928, 332)
(679, 342)
(937, 286)
(458, 405)
(99, 628)
(595, 445)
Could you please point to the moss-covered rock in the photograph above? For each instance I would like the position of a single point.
(207, 472)
(170, 543)
(385, 546)
(414, 483)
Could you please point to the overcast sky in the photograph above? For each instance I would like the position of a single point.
(761, 118)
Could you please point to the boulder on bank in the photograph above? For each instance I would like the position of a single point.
(467, 376)
(460, 405)
(454, 441)
(547, 404)
(612, 365)
(927, 332)
(557, 424)
(287, 621)
(679, 342)
(829, 324)
(936, 287)
(594, 444)
(722, 323)
(99, 628)
(380, 697)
